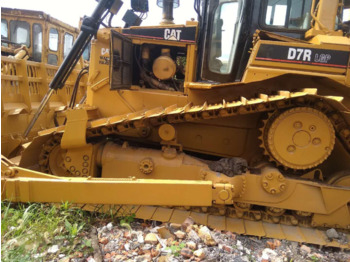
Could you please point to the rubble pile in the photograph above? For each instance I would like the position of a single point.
(188, 241)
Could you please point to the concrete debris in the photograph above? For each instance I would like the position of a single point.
(185, 252)
(191, 245)
(200, 253)
(151, 238)
(305, 249)
(332, 234)
(109, 226)
(164, 233)
(191, 242)
(53, 249)
(179, 234)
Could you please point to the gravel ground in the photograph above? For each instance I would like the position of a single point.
(191, 242)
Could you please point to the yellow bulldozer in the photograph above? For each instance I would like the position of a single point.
(240, 120)
(33, 45)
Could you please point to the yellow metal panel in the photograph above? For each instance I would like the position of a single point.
(200, 218)
(254, 228)
(179, 216)
(218, 222)
(313, 236)
(75, 129)
(273, 230)
(293, 233)
(163, 214)
(235, 225)
(111, 191)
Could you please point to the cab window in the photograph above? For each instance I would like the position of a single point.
(52, 59)
(20, 32)
(53, 39)
(225, 31)
(288, 14)
(4, 32)
(86, 53)
(37, 42)
(346, 15)
(68, 43)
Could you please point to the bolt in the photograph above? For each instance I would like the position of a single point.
(85, 171)
(144, 132)
(72, 168)
(269, 176)
(281, 177)
(68, 159)
(86, 157)
(85, 164)
(316, 141)
(265, 184)
(273, 191)
(224, 195)
(297, 125)
(77, 173)
(282, 187)
(291, 148)
(9, 173)
(312, 128)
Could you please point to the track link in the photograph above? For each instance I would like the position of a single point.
(331, 106)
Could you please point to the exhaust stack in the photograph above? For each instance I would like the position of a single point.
(168, 7)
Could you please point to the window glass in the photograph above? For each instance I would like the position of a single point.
(346, 15)
(288, 14)
(224, 31)
(86, 53)
(68, 43)
(4, 32)
(37, 42)
(53, 39)
(52, 59)
(20, 32)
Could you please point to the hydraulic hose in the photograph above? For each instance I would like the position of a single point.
(88, 28)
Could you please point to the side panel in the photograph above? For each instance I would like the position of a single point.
(303, 55)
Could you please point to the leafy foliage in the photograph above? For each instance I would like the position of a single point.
(176, 249)
(29, 230)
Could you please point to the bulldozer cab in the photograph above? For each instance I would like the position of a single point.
(48, 40)
(228, 27)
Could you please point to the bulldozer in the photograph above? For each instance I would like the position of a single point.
(240, 120)
(33, 45)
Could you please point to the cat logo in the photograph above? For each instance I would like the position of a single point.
(104, 51)
(172, 34)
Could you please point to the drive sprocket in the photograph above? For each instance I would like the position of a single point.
(299, 138)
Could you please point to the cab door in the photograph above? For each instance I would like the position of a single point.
(121, 61)
(222, 35)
